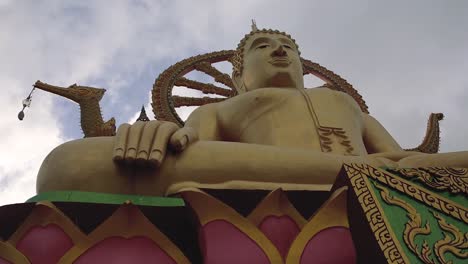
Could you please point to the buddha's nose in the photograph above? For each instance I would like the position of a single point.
(279, 51)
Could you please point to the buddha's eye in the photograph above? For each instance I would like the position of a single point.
(263, 46)
(287, 46)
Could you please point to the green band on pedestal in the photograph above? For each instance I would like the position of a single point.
(106, 198)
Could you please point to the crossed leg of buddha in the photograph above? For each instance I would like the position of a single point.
(208, 164)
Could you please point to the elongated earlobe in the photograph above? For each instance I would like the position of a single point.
(239, 84)
(243, 88)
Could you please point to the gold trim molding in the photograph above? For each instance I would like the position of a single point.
(454, 180)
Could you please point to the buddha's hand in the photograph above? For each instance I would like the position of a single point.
(147, 142)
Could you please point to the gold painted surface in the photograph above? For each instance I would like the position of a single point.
(454, 180)
(209, 209)
(10, 254)
(127, 222)
(164, 103)
(331, 213)
(431, 141)
(88, 98)
(431, 199)
(43, 214)
(274, 133)
(375, 215)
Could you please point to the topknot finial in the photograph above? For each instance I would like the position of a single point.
(254, 26)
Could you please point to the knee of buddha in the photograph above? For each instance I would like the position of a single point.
(83, 165)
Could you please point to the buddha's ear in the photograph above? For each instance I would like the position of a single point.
(238, 83)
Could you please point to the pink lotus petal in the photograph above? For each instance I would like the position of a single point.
(333, 245)
(281, 230)
(118, 250)
(44, 244)
(222, 242)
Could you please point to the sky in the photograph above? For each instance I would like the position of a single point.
(406, 58)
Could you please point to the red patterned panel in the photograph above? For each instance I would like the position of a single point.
(281, 230)
(118, 250)
(44, 244)
(222, 242)
(333, 245)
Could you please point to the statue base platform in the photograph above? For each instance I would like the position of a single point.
(370, 216)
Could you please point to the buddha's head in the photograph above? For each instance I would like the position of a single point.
(267, 58)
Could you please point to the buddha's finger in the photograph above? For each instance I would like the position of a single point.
(183, 137)
(134, 136)
(158, 150)
(120, 142)
(147, 139)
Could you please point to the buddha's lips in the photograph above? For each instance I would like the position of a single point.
(280, 61)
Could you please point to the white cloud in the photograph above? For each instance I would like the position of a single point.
(24, 144)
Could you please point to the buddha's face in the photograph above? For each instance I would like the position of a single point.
(270, 60)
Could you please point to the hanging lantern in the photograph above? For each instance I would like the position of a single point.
(26, 103)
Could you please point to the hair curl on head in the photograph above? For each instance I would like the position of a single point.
(238, 58)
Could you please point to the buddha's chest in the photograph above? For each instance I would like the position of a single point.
(293, 118)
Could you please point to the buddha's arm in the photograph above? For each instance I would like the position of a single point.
(205, 122)
(376, 137)
(380, 144)
(148, 142)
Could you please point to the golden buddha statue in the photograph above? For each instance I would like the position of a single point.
(273, 134)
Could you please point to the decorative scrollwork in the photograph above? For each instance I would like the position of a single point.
(457, 177)
(373, 212)
(431, 141)
(215, 73)
(413, 227)
(454, 242)
(162, 100)
(88, 98)
(454, 180)
(426, 253)
(420, 194)
(457, 243)
(325, 134)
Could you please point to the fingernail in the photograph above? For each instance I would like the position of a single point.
(156, 156)
(180, 144)
(118, 154)
(143, 155)
(131, 153)
(183, 141)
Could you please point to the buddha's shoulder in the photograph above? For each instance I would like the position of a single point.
(206, 109)
(203, 113)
